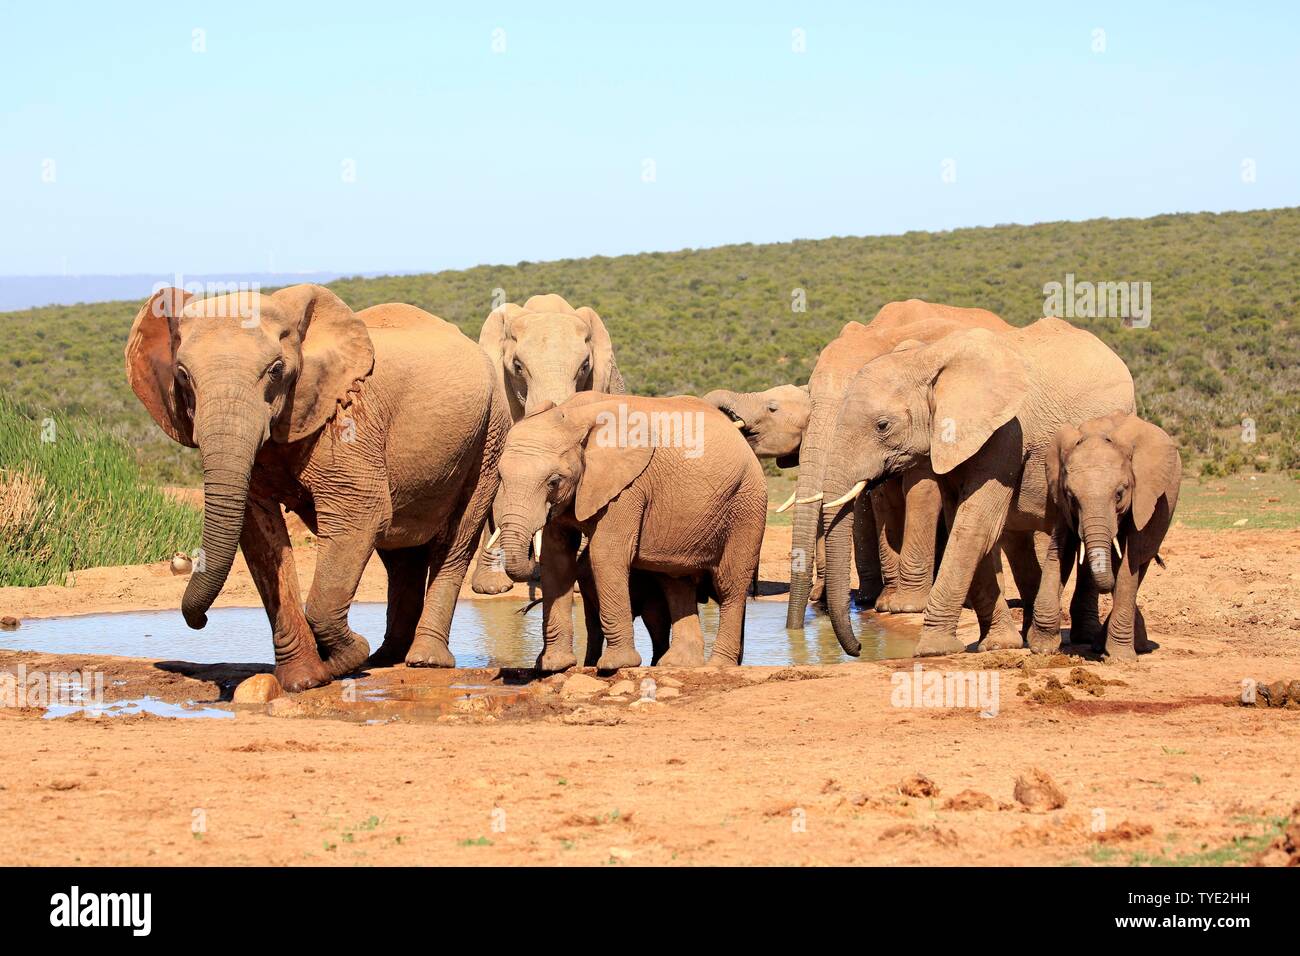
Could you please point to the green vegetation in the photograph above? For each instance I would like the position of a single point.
(72, 496)
(1221, 347)
(1239, 851)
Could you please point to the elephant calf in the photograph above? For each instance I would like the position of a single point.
(660, 485)
(1112, 479)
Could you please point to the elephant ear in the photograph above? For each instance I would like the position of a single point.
(1157, 466)
(605, 376)
(492, 339)
(1066, 437)
(610, 464)
(151, 363)
(337, 355)
(978, 383)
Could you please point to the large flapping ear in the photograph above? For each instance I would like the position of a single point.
(605, 376)
(337, 356)
(1066, 437)
(1157, 466)
(610, 461)
(151, 363)
(977, 386)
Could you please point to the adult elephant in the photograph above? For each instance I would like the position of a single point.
(887, 549)
(543, 351)
(772, 421)
(981, 410)
(380, 429)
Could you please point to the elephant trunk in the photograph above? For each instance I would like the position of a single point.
(514, 543)
(838, 529)
(807, 514)
(228, 445)
(1095, 535)
(549, 384)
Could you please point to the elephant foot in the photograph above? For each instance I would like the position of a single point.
(428, 651)
(616, 657)
(299, 675)
(1120, 650)
(490, 581)
(1002, 638)
(905, 601)
(1044, 642)
(387, 656)
(683, 654)
(936, 642)
(347, 656)
(885, 598)
(555, 659)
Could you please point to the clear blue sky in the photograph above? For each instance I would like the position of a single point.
(233, 159)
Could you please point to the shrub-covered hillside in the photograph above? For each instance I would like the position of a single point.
(1222, 344)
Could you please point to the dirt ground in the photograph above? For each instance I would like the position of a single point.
(1085, 762)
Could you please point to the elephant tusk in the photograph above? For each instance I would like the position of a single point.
(738, 422)
(492, 539)
(847, 496)
(1118, 549)
(785, 506)
(1082, 549)
(809, 500)
(537, 545)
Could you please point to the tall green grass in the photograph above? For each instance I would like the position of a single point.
(72, 496)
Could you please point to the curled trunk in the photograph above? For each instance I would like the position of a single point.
(514, 544)
(1095, 538)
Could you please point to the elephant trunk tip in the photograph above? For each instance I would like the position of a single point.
(196, 619)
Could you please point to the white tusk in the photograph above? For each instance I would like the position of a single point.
(785, 506)
(537, 545)
(738, 423)
(847, 496)
(1118, 549)
(492, 539)
(809, 499)
(1082, 549)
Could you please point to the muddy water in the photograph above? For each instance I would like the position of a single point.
(484, 634)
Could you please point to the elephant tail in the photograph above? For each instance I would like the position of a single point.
(1160, 560)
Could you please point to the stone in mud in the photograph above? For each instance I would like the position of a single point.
(1038, 792)
(918, 785)
(622, 687)
(666, 681)
(667, 693)
(258, 689)
(591, 717)
(970, 800)
(580, 685)
(9, 623)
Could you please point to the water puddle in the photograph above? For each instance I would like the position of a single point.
(127, 708)
(484, 634)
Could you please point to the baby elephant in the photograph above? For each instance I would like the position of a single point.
(660, 485)
(1113, 480)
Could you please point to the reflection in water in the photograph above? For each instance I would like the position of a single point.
(484, 634)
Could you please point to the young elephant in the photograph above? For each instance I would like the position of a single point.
(1112, 479)
(380, 429)
(664, 485)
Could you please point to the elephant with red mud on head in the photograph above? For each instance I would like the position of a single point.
(1110, 481)
(660, 485)
(894, 530)
(982, 410)
(544, 351)
(381, 429)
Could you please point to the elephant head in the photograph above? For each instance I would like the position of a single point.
(772, 421)
(1104, 471)
(941, 402)
(230, 373)
(546, 351)
(551, 465)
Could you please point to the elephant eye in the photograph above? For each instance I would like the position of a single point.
(276, 370)
(772, 407)
(1119, 494)
(182, 375)
(553, 482)
(518, 367)
(882, 425)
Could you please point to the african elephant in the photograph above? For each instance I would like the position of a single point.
(980, 409)
(543, 351)
(1110, 479)
(664, 485)
(899, 578)
(772, 421)
(381, 429)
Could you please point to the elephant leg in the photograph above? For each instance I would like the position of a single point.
(490, 567)
(590, 614)
(1045, 631)
(997, 627)
(610, 567)
(687, 648)
(1085, 621)
(887, 500)
(922, 507)
(975, 530)
(264, 541)
(650, 603)
(1025, 551)
(866, 552)
(738, 558)
(408, 576)
(1122, 622)
(340, 562)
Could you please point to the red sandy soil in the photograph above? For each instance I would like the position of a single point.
(807, 765)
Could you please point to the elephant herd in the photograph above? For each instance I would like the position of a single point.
(930, 441)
